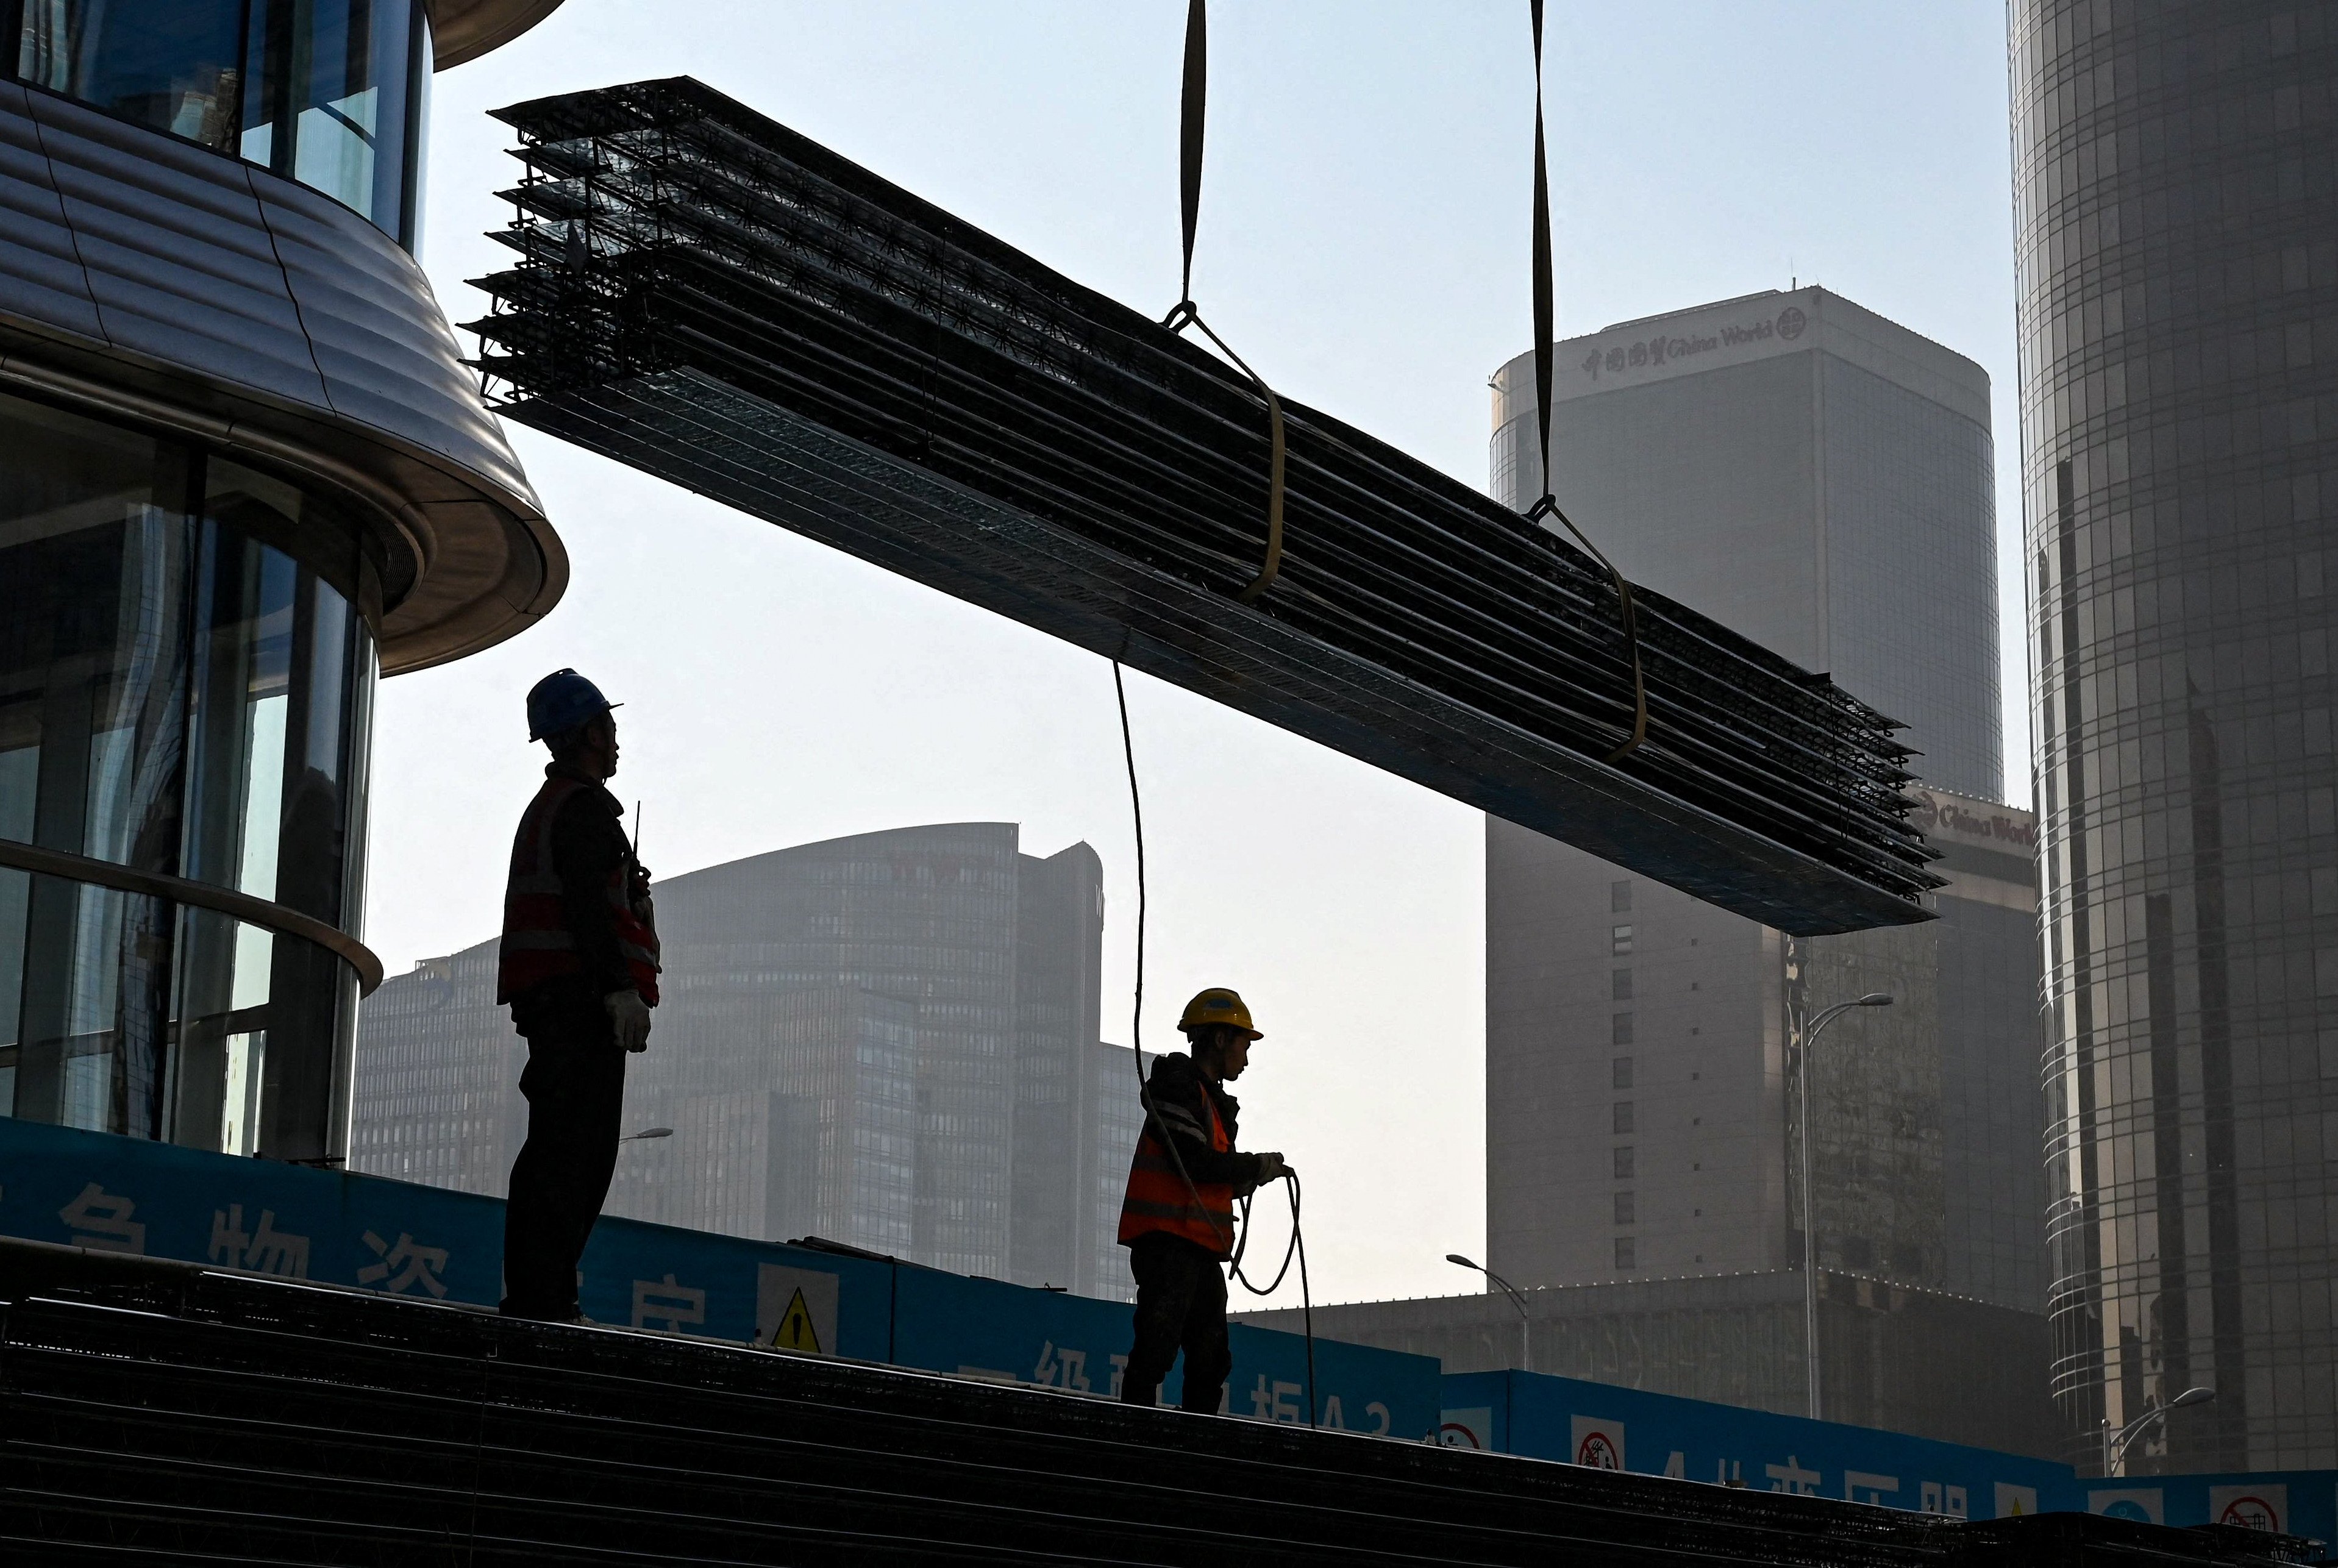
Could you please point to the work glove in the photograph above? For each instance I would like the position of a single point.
(1272, 1168)
(631, 1015)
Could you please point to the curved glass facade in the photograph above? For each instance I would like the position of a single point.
(330, 92)
(186, 672)
(2176, 211)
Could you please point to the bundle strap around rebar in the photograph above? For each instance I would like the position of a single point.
(1193, 102)
(1545, 346)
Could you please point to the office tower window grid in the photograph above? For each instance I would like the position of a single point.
(2177, 214)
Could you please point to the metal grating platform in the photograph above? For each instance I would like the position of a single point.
(712, 299)
(166, 1412)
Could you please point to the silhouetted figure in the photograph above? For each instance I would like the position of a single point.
(579, 967)
(1177, 1219)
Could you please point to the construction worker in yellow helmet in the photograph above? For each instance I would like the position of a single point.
(1177, 1219)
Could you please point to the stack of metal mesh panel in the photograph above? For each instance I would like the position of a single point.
(707, 296)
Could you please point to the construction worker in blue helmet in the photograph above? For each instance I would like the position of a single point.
(578, 966)
(1177, 1219)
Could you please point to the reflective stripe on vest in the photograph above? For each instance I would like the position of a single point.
(537, 944)
(1158, 1197)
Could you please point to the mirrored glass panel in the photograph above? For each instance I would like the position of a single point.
(170, 64)
(283, 669)
(93, 554)
(330, 92)
(338, 101)
(186, 674)
(86, 981)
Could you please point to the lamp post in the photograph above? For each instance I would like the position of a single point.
(1810, 1236)
(647, 1132)
(1526, 1330)
(2115, 1443)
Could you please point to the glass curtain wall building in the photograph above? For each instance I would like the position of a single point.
(242, 474)
(2176, 190)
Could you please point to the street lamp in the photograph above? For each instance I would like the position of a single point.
(1810, 1236)
(1526, 1332)
(2115, 1444)
(647, 1132)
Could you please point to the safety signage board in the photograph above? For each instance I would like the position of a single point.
(795, 1308)
(119, 1194)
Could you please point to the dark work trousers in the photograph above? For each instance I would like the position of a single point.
(574, 1081)
(1181, 1305)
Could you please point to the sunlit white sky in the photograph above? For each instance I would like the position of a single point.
(1363, 243)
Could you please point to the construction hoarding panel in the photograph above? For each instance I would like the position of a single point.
(1566, 1419)
(108, 1193)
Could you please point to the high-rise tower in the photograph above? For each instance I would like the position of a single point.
(1820, 479)
(2175, 193)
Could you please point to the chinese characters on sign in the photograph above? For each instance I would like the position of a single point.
(100, 1220)
(266, 1250)
(405, 1266)
(1647, 353)
(664, 1304)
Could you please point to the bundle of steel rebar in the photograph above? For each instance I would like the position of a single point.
(712, 297)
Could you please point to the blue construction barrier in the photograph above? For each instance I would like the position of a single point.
(119, 1194)
(1564, 1418)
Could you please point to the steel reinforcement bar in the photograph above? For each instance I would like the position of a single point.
(711, 298)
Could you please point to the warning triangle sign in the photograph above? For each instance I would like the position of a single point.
(795, 1329)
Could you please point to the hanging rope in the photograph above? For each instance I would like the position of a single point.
(1136, 1019)
(1545, 348)
(1192, 104)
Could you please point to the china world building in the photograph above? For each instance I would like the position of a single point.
(1819, 478)
(242, 473)
(2176, 190)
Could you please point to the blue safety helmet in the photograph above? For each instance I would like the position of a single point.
(562, 701)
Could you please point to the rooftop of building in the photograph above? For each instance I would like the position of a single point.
(1766, 324)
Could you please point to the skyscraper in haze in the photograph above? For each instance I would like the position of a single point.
(889, 1040)
(1820, 479)
(2175, 195)
(1808, 474)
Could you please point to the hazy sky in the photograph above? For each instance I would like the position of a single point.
(1363, 243)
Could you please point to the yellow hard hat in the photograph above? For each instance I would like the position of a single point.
(1218, 1005)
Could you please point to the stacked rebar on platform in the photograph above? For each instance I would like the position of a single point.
(709, 296)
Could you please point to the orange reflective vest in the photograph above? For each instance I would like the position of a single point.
(537, 944)
(1158, 1197)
